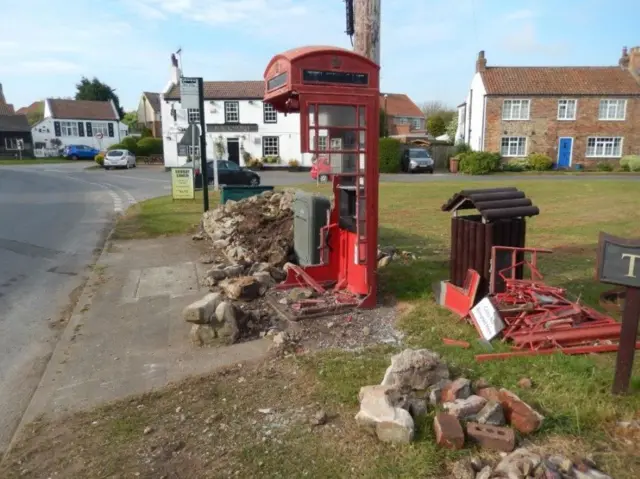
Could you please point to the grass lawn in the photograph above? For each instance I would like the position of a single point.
(32, 161)
(223, 433)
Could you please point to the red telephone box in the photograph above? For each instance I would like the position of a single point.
(337, 94)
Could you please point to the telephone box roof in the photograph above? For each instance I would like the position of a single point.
(302, 52)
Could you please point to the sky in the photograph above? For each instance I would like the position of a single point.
(428, 47)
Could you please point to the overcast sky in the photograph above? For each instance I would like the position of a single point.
(429, 47)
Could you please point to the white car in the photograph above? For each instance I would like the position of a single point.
(119, 159)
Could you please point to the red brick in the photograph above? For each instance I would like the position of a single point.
(490, 394)
(449, 433)
(458, 389)
(492, 437)
(519, 414)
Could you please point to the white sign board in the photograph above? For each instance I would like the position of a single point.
(189, 97)
(487, 319)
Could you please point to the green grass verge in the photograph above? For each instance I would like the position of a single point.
(32, 161)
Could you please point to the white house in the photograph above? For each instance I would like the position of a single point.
(77, 122)
(471, 114)
(237, 121)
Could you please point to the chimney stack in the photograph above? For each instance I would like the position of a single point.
(633, 62)
(3, 101)
(175, 69)
(624, 59)
(481, 62)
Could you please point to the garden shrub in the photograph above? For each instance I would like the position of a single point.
(149, 146)
(462, 147)
(479, 162)
(634, 163)
(390, 155)
(130, 143)
(604, 166)
(539, 162)
(99, 159)
(625, 162)
(517, 165)
(117, 146)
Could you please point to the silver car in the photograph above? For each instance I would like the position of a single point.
(119, 159)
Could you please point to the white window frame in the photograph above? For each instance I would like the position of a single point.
(100, 127)
(565, 102)
(229, 112)
(511, 105)
(401, 120)
(605, 105)
(193, 115)
(513, 142)
(68, 128)
(601, 143)
(11, 143)
(269, 113)
(416, 123)
(265, 146)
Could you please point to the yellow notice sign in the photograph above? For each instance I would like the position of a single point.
(182, 183)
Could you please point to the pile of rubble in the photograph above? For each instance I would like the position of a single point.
(258, 229)
(418, 380)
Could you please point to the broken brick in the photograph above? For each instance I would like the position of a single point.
(489, 393)
(458, 389)
(492, 437)
(465, 408)
(519, 414)
(492, 414)
(449, 433)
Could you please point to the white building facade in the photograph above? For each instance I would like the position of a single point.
(472, 115)
(239, 125)
(77, 122)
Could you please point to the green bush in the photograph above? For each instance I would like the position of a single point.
(539, 162)
(462, 147)
(634, 164)
(604, 166)
(625, 162)
(390, 154)
(479, 162)
(99, 160)
(117, 146)
(146, 132)
(149, 146)
(517, 165)
(130, 143)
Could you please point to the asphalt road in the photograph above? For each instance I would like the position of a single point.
(53, 218)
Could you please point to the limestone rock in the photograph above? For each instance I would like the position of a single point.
(462, 470)
(491, 414)
(202, 335)
(485, 473)
(416, 369)
(379, 415)
(226, 326)
(203, 310)
(519, 463)
(244, 288)
(465, 408)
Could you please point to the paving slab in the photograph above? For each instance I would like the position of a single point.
(127, 335)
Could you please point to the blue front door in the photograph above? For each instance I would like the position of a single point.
(564, 152)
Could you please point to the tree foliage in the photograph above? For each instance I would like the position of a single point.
(384, 125)
(95, 90)
(130, 119)
(452, 127)
(436, 125)
(390, 155)
(435, 107)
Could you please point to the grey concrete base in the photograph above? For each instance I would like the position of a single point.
(127, 335)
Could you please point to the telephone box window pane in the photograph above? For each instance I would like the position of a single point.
(363, 164)
(345, 78)
(312, 115)
(343, 163)
(343, 140)
(337, 115)
(363, 116)
(362, 142)
(318, 139)
(277, 81)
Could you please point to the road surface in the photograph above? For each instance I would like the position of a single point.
(53, 220)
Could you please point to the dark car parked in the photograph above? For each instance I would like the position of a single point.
(229, 173)
(415, 160)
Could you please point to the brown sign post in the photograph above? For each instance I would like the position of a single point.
(619, 263)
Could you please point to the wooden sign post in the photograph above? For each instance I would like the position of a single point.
(619, 263)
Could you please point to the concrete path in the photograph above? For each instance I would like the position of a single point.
(127, 335)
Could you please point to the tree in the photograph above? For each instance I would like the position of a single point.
(95, 90)
(384, 126)
(452, 127)
(435, 107)
(436, 125)
(130, 119)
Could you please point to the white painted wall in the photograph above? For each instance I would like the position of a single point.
(44, 132)
(145, 111)
(475, 113)
(287, 129)
(462, 121)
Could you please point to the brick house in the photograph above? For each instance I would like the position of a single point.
(575, 115)
(403, 115)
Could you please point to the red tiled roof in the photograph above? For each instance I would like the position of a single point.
(6, 109)
(559, 81)
(35, 107)
(222, 90)
(82, 110)
(399, 104)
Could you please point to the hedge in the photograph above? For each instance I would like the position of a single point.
(479, 162)
(390, 154)
(539, 162)
(149, 146)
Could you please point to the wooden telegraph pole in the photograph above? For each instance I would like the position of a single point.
(366, 41)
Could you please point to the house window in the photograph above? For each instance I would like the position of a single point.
(513, 146)
(269, 113)
(270, 146)
(515, 109)
(416, 123)
(604, 147)
(567, 109)
(231, 112)
(400, 120)
(100, 128)
(11, 143)
(193, 115)
(612, 109)
(69, 128)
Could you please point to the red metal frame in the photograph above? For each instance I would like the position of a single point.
(349, 259)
